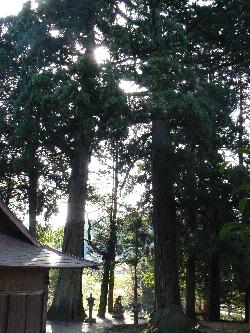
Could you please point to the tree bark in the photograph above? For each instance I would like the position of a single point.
(214, 287)
(107, 287)
(9, 189)
(167, 293)
(113, 225)
(111, 288)
(247, 298)
(168, 316)
(241, 124)
(108, 267)
(190, 287)
(32, 197)
(191, 252)
(104, 286)
(68, 303)
(241, 164)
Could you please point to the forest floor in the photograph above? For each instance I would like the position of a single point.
(224, 327)
(102, 326)
(109, 325)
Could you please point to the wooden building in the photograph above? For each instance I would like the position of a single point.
(24, 276)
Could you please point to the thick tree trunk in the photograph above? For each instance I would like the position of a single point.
(68, 303)
(168, 316)
(32, 198)
(214, 285)
(190, 287)
(167, 293)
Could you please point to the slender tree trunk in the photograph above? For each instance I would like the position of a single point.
(135, 284)
(114, 226)
(108, 267)
(191, 259)
(107, 287)
(136, 235)
(246, 301)
(168, 316)
(205, 292)
(241, 164)
(111, 288)
(32, 197)
(241, 125)
(190, 287)
(136, 314)
(68, 303)
(104, 287)
(8, 193)
(214, 287)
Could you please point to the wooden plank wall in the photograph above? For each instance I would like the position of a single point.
(3, 312)
(23, 298)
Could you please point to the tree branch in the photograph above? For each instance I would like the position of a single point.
(89, 241)
(138, 94)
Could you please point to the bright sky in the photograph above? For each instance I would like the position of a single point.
(11, 7)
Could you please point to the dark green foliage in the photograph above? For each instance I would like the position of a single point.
(192, 62)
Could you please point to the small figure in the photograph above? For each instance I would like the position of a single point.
(91, 303)
(118, 312)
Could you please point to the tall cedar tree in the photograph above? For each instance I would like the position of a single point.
(164, 59)
(23, 96)
(87, 101)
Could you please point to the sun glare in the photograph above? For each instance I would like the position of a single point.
(101, 54)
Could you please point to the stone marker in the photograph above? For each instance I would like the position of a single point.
(118, 312)
(136, 307)
(91, 303)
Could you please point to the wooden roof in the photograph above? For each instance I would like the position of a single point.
(18, 248)
(17, 253)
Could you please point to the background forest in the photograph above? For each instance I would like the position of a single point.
(156, 177)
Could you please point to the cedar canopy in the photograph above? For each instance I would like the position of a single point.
(24, 276)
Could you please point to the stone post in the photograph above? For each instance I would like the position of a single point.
(136, 307)
(91, 303)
